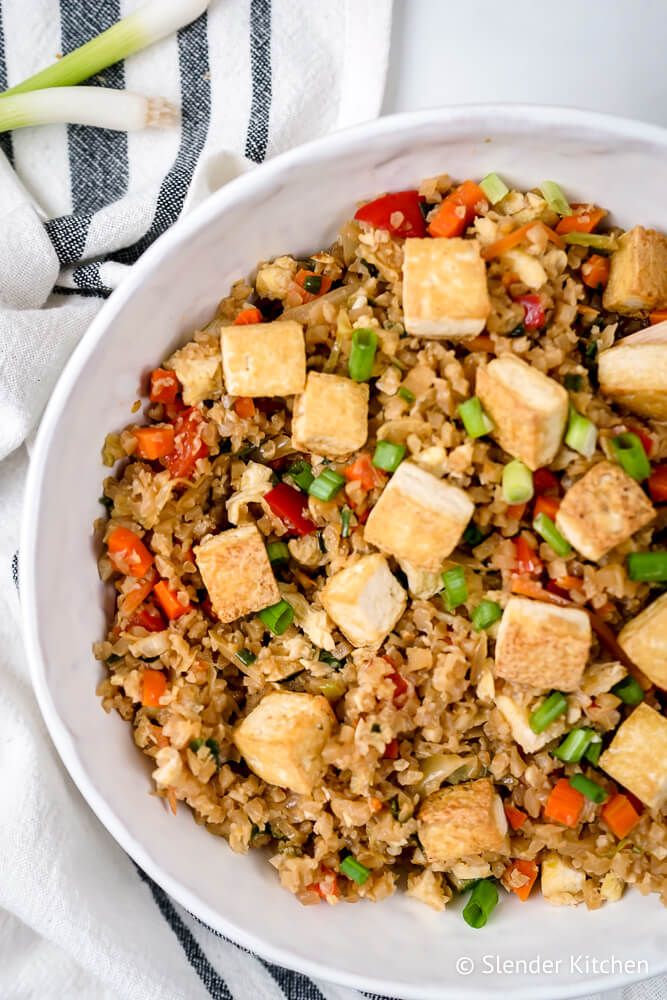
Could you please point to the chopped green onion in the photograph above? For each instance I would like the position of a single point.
(574, 746)
(406, 394)
(277, 617)
(481, 904)
(354, 869)
(103, 107)
(573, 382)
(494, 188)
(548, 712)
(517, 482)
(629, 691)
(388, 456)
(555, 198)
(596, 240)
(214, 748)
(473, 535)
(581, 435)
(106, 502)
(331, 660)
(327, 485)
(486, 614)
(593, 751)
(456, 588)
(629, 452)
(474, 418)
(547, 530)
(302, 474)
(590, 789)
(362, 355)
(648, 567)
(245, 656)
(277, 552)
(345, 516)
(195, 745)
(312, 283)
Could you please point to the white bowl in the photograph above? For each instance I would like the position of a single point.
(296, 203)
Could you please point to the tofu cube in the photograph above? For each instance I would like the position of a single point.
(517, 718)
(237, 573)
(283, 737)
(331, 417)
(638, 272)
(364, 600)
(562, 885)
(418, 518)
(462, 821)
(197, 367)
(444, 288)
(644, 639)
(529, 409)
(635, 375)
(637, 756)
(541, 645)
(264, 359)
(603, 508)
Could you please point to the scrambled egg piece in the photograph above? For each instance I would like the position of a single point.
(638, 272)
(264, 359)
(637, 756)
(331, 417)
(197, 367)
(365, 600)
(561, 884)
(518, 719)
(644, 639)
(541, 645)
(237, 573)
(444, 288)
(635, 374)
(462, 820)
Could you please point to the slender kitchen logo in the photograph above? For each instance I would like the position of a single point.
(540, 965)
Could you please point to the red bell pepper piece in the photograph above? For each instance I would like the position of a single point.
(544, 481)
(289, 505)
(533, 311)
(383, 213)
(644, 437)
(657, 484)
(149, 618)
(391, 750)
(527, 562)
(188, 444)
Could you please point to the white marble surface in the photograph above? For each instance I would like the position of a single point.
(607, 55)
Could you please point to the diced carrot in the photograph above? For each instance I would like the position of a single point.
(171, 799)
(364, 472)
(131, 600)
(544, 481)
(526, 560)
(391, 750)
(189, 446)
(657, 484)
(565, 804)
(527, 868)
(546, 505)
(570, 583)
(300, 279)
(248, 316)
(149, 618)
(169, 601)
(481, 343)
(376, 805)
(153, 686)
(584, 219)
(128, 553)
(457, 210)
(531, 588)
(595, 271)
(327, 885)
(165, 386)
(154, 442)
(516, 511)
(244, 407)
(513, 239)
(657, 316)
(515, 817)
(620, 815)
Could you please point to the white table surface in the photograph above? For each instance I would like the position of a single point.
(608, 55)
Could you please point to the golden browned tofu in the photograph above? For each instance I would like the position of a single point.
(528, 409)
(461, 821)
(637, 756)
(331, 417)
(197, 366)
(603, 508)
(237, 573)
(444, 288)
(418, 517)
(644, 639)
(264, 359)
(635, 375)
(541, 645)
(365, 600)
(283, 737)
(638, 272)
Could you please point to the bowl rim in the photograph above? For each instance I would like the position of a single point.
(508, 113)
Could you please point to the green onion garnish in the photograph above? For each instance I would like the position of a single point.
(331, 660)
(388, 456)
(104, 107)
(547, 530)
(327, 485)
(574, 746)
(362, 355)
(312, 283)
(581, 435)
(481, 904)
(494, 188)
(277, 552)
(486, 614)
(474, 418)
(593, 751)
(629, 452)
(345, 516)
(473, 535)
(302, 474)
(555, 198)
(629, 691)
(245, 656)
(354, 869)
(595, 240)
(456, 588)
(406, 394)
(648, 567)
(590, 789)
(195, 745)
(573, 382)
(517, 482)
(548, 712)
(277, 617)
